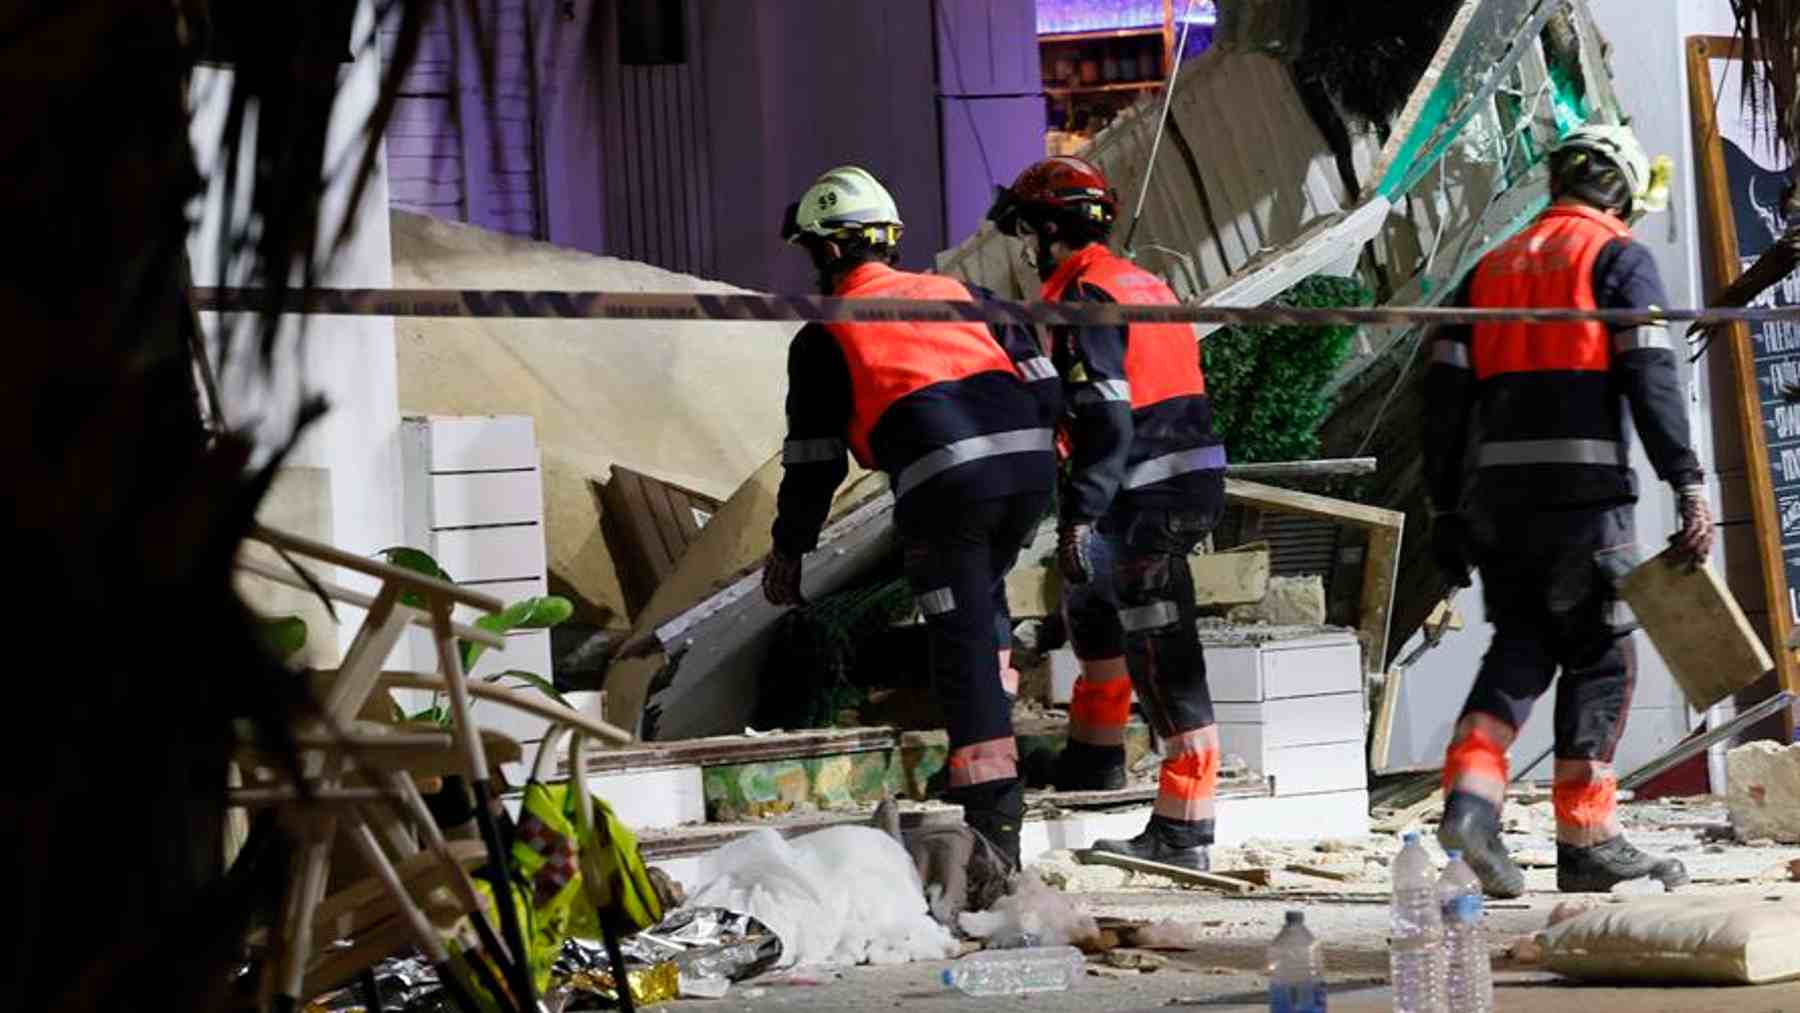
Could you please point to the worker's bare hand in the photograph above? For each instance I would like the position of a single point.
(781, 579)
(1695, 539)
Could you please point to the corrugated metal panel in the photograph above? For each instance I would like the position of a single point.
(658, 211)
(1300, 546)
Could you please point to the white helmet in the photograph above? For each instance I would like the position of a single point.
(848, 200)
(1619, 146)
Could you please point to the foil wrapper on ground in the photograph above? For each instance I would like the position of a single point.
(649, 983)
(407, 985)
(711, 942)
(699, 944)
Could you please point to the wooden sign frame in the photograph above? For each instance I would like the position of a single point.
(1720, 238)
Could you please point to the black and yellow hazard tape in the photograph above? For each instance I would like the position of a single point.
(696, 308)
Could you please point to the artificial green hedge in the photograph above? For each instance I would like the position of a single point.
(1266, 381)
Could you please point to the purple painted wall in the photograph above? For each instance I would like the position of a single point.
(799, 86)
(991, 105)
(690, 166)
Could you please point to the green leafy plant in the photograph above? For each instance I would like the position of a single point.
(539, 612)
(1266, 382)
(284, 636)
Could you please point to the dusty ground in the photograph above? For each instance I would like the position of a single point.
(1223, 971)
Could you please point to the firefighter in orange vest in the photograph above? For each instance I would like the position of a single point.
(1541, 504)
(1143, 484)
(941, 408)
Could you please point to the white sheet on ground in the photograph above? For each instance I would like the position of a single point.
(844, 895)
(1031, 909)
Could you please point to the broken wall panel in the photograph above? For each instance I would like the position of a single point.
(649, 524)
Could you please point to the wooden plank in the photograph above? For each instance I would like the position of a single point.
(1321, 872)
(1722, 265)
(534, 703)
(282, 575)
(1268, 497)
(1381, 576)
(1255, 877)
(1190, 877)
(1381, 743)
(394, 576)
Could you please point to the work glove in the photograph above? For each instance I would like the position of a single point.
(1075, 552)
(781, 579)
(1450, 547)
(1695, 538)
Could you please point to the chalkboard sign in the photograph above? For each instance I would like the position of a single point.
(1742, 174)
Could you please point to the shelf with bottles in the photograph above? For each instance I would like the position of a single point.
(1104, 61)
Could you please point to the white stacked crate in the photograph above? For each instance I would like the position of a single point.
(475, 502)
(1293, 709)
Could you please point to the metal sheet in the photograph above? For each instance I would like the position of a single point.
(717, 648)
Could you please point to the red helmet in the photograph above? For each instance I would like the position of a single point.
(1063, 183)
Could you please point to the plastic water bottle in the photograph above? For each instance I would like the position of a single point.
(1416, 933)
(1471, 976)
(1016, 972)
(1296, 974)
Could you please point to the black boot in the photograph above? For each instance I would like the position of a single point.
(995, 810)
(1082, 766)
(1600, 867)
(1168, 842)
(1472, 825)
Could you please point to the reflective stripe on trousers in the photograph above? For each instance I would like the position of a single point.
(1586, 796)
(1645, 336)
(1100, 707)
(1517, 452)
(1476, 761)
(1102, 391)
(1190, 775)
(975, 448)
(1153, 616)
(981, 762)
(1450, 353)
(1161, 469)
(938, 602)
(1035, 369)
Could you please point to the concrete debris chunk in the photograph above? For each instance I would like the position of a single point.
(1291, 601)
(1763, 793)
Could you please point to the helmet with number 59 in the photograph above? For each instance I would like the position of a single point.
(848, 203)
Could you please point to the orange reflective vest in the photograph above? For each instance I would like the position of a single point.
(888, 361)
(1550, 264)
(1162, 361)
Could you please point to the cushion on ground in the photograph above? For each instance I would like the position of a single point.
(1738, 939)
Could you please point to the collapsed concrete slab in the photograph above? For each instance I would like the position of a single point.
(697, 404)
(1763, 792)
